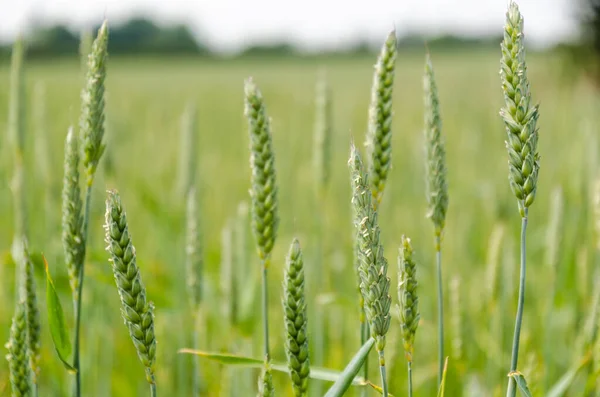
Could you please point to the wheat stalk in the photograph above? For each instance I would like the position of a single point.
(137, 313)
(18, 362)
(520, 118)
(91, 135)
(379, 134)
(409, 303)
(372, 266)
(437, 190)
(296, 320)
(263, 191)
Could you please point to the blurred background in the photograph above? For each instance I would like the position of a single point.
(166, 55)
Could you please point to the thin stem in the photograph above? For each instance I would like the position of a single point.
(364, 335)
(410, 387)
(512, 387)
(438, 257)
(384, 385)
(265, 301)
(153, 389)
(76, 362)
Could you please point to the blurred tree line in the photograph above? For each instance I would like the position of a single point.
(135, 36)
(143, 36)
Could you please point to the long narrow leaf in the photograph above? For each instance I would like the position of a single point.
(442, 389)
(349, 373)
(561, 386)
(323, 374)
(521, 383)
(57, 323)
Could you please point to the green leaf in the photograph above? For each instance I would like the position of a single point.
(561, 386)
(349, 373)
(57, 323)
(521, 383)
(316, 373)
(226, 358)
(443, 383)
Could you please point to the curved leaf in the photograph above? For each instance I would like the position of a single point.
(561, 386)
(349, 373)
(57, 323)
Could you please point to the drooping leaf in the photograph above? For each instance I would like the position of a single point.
(347, 376)
(521, 383)
(57, 323)
(226, 358)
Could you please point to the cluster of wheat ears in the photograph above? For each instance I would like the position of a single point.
(84, 151)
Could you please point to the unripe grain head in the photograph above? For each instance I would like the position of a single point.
(296, 320)
(437, 188)
(407, 296)
(372, 265)
(18, 366)
(137, 312)
(263, 189)
(379, 134)
(519, 114)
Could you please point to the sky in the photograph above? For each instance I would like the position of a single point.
(312, 24)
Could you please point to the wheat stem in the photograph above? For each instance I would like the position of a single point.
(76, 361)
(410, 383)
(512, 387)
(265, 308)
(384, 385)
(440, 292)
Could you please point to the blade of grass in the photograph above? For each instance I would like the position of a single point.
(57, 323)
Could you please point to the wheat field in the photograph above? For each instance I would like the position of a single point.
(145, 102)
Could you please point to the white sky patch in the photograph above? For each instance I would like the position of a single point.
(232, 24)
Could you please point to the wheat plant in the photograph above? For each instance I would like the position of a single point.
(137, 312)
(263, 192)
(296, 320)
(92, 147)
(520, 118)
(372, 265)
(437, 189)
(409, 303)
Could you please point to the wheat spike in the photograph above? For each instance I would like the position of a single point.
(262, 162)
(437, 189)
(137, 312)
(379, 134)
(296, 320)
(519, 114)
(72, 218)
(407, 296)
(372, 266)
(92, 105)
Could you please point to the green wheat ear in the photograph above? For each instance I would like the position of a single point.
(519, 114)
(34, 328)
(379, 134)
(407, 296)
(437, 189)
(72, 217)
(296, 320)
(18, 365)
(262, 163)
(92, 106)
(372, 265)
(137, 312)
